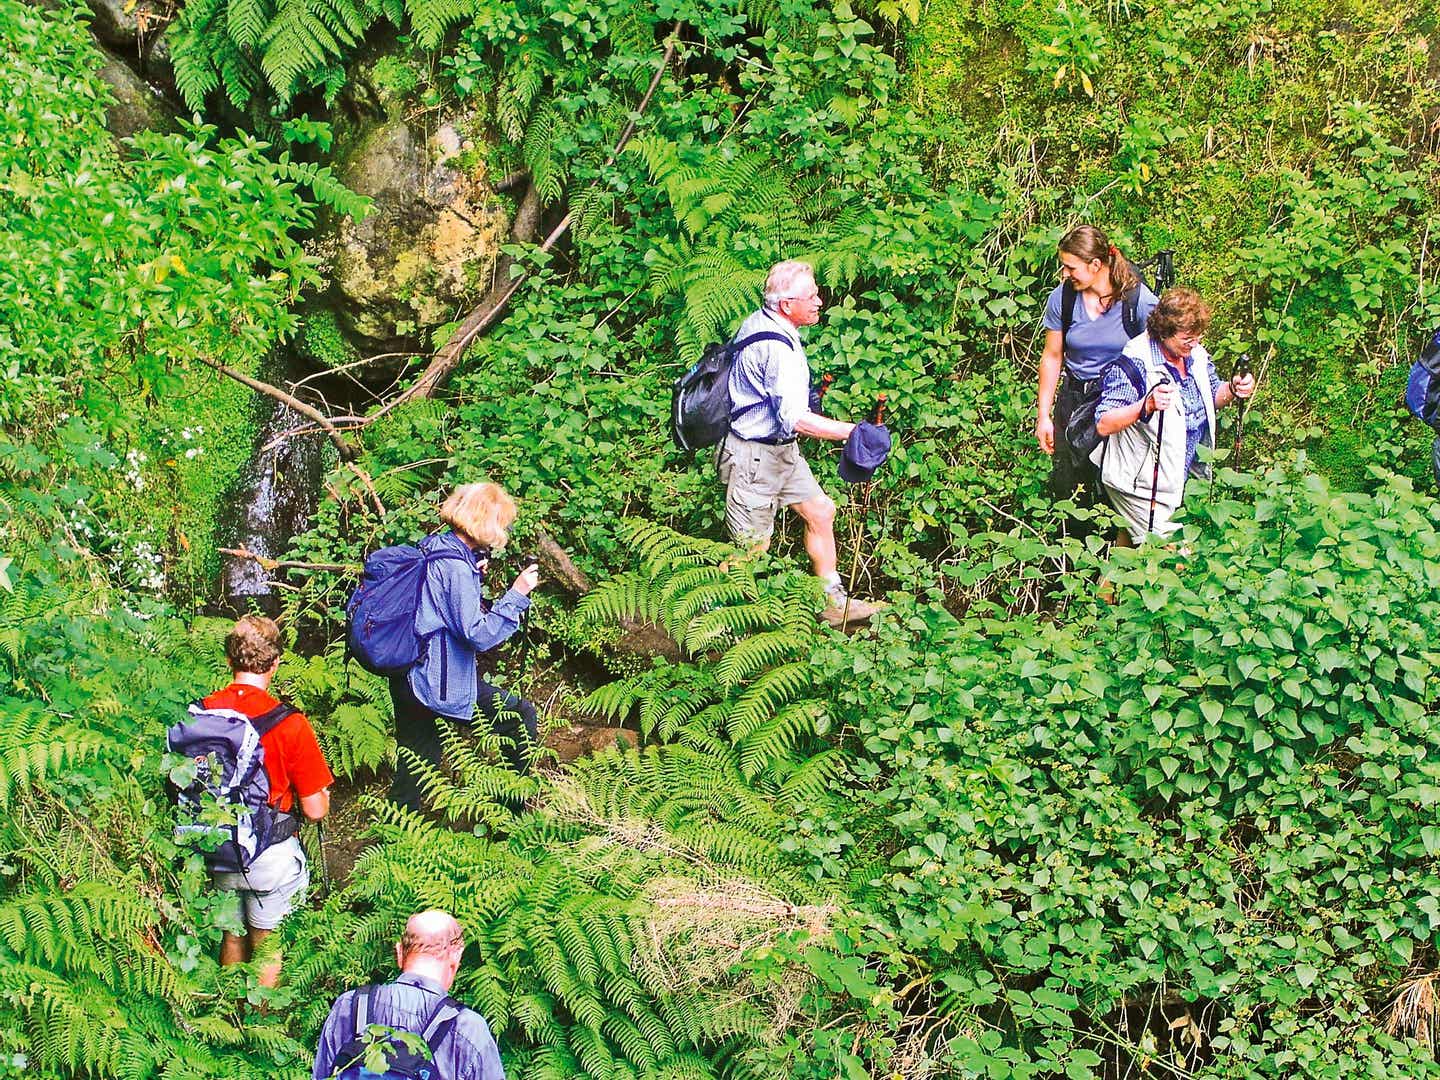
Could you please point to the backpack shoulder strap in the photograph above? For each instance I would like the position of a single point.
(360, 1009)
(1068, 296)
(740, 346)
(267, 721)
(441, 1023)
(764, 335)
(1130, 312)
(1134, 372)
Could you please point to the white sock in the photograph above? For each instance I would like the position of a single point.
(832, 580)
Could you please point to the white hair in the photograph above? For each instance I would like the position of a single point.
(781, 281)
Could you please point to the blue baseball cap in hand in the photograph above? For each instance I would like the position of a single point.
(865, 451)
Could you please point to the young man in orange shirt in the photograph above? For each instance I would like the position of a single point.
(276, 881)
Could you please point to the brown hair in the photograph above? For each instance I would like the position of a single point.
(1089, 242)
(253, 644)
(483, 512)
(1179, 309)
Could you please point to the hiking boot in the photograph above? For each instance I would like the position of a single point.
(841, 610)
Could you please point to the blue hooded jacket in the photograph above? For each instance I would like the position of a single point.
(455, 622)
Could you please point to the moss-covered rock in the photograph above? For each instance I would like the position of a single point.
(429, 243)
(135, 105)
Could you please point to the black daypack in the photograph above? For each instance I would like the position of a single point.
(379, 1052)
(1080, 434)
(700, 408)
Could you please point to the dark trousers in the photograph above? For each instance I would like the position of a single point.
(1078, 481)
(417, 729)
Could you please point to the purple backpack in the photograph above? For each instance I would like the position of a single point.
(383, 608)
(238, 823)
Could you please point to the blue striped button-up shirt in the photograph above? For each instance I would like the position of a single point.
(1118, 390)
(468, 1053)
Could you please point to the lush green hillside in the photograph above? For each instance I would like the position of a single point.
(1010, 830)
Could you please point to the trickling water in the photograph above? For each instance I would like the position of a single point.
(272, 502)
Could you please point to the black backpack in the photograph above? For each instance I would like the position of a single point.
(700, 399)
(378, 1052)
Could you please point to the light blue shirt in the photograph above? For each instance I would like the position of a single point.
(468, 1053)
(455, 623)
(1092, 344)
(770, 382)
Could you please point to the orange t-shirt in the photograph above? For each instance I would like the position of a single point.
(293, 760)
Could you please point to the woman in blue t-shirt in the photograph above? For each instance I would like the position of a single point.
(1105, 289)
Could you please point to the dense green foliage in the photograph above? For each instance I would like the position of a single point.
(1008, 831)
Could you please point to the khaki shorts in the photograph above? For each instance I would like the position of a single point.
(272, 887)
(759, 479)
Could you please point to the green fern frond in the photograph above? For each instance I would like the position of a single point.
(429, 19)
(766, 695)
(625, 596)
(245, 21)
(308, 34)
(747, 658)
(775, 739)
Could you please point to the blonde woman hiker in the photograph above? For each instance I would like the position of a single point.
(454, 623)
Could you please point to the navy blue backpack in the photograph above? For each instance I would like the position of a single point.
(1422, 393)
(379, 1052)
(383, 607)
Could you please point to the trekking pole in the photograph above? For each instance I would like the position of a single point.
(877, 417)
(524, 640)
(324, 858)
(1155, 478)
(1242, 367)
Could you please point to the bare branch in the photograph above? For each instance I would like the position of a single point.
(287, 564)
(514, 180)
(348, 452)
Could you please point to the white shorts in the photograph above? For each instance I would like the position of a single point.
(272, 887)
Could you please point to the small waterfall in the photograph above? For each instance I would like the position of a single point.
(272, 501)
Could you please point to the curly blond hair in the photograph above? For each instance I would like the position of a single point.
(483, 512)
(253, 645)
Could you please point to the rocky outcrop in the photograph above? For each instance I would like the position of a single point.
(136, 105)
(429, 243)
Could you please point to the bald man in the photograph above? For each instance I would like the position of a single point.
(458, 1038)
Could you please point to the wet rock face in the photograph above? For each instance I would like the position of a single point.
(427, 247)
(135, 104)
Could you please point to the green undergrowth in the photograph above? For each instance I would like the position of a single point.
(1283, 150)
(1194, 828)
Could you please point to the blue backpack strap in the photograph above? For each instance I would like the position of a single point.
(360, 1009)
(1134, 372)
(441, 1023)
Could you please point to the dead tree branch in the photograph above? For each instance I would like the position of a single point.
(637, 638)
(348, 452)
(272, 565)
